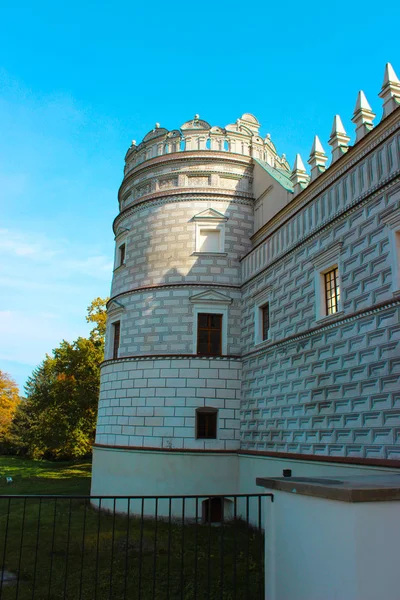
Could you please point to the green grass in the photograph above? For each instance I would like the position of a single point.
(44, 477)
(68, 549)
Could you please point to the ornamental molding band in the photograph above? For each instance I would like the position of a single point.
(268, 295)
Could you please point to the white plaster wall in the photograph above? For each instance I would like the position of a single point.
(149, 473)
(323, 549)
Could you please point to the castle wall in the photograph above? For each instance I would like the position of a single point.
(161, 244)
(152, 403)
(328, 386)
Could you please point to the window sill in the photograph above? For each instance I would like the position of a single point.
(262, 344)
(120, 268)
(396, 293)
(209, 254)
(329, 318)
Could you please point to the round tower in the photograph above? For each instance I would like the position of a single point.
(169, 408)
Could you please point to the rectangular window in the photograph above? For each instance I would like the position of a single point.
(209, 334)
(332, 291)
(206, 423)
(122, 255)
(265, 321)
(209, 240)
(116, 338)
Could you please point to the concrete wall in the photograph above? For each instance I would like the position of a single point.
(324, 549)
(251, 467)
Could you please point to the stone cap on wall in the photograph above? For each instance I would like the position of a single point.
(361, 488)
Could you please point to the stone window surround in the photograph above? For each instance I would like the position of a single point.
(120, 239)
(217, 306)
(114, 314)
(261, 298)
(211, 222)
(393, 223)
(326, 261)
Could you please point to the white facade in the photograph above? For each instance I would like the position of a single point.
(213, 221)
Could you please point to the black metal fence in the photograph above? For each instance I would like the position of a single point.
(133, 548)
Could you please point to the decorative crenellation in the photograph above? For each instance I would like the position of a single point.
(363, 118)
(241, 137)
(356, 183)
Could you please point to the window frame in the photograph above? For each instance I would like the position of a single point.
(334, 298)
(122, 254)
(115, 313)
(392, 220)
(121, 239)
(210, 412)
(116, 326)
(209, 329)
(210, 220)
(261, 300)
(327, 261)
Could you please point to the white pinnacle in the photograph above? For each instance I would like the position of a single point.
(390, 75)
(299, 176)
(337, 126)
(363, 116)
(390, 92)
(339, 139)
(317, 147)
(298, 164)
(362, 102)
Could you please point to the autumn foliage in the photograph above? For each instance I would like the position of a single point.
(57, 419)
(9, 400)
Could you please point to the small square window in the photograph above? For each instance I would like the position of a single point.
(209, 240)
(206, 423)
(209, 334)
(116, 338)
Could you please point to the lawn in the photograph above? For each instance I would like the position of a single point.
(63, 548)
(44, 477)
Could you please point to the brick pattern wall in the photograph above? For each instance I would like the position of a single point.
(160, 245)
(153, 402)
(333, 391)
(161, 321)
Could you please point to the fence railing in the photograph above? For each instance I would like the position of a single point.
(133, 548)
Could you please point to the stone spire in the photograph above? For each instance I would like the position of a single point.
(339, 140)
(390, 92)
(363, 116)
(299, 176)
(317, 159)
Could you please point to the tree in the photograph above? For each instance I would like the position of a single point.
(58, 417)
(62, 396)
(97, 314)
(9, 400)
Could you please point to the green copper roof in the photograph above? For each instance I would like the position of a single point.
(278, 174)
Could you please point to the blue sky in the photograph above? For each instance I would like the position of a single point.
(79, 80)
